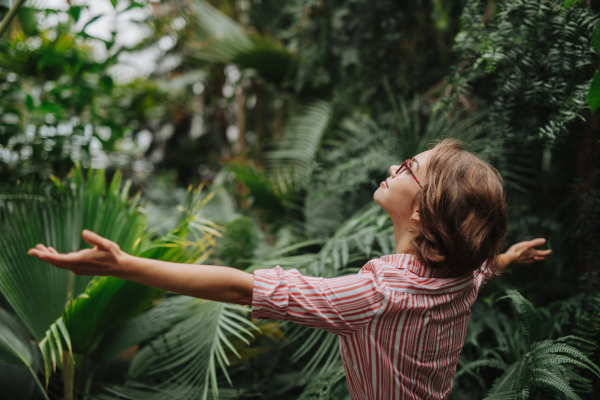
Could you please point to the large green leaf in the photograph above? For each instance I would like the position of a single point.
(17, 350)
(14, 344)
(594, 92)
(57, 221)
(16, 382)
(109, 302)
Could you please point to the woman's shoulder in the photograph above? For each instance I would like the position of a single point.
(408, 275)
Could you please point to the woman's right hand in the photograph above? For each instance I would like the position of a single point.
(104, 259)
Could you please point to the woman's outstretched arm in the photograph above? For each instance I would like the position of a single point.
(211, 282)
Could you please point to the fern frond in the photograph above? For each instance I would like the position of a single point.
(528, 314)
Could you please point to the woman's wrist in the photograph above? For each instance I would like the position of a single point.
(504, 262)
(126, 266)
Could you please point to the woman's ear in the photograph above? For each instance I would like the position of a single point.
(415, 216)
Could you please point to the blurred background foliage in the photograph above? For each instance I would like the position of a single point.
(285, 115)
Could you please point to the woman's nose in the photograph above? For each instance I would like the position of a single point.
(393, 170)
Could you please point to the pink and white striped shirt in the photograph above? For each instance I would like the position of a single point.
(401, 324)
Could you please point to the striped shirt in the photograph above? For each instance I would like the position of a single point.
(401, 324)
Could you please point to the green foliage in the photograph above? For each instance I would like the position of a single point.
(594, 92)
(58, 222)
(236, 247)
(224, 41)
(347, 48)
(194, 348)
(327, 386)
(528, 64)
(108, 315)
(531, 363)
(302, 136)
(60, 105)
(517, 89)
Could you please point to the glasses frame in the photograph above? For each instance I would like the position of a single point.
(406, 167)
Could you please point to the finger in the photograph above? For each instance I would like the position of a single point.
(34, 252)
(539, 258)
(40, 246)
(542, 252)
(53, 250)
(95, 239)
(43, 256)
(62, 258)
(536, 242)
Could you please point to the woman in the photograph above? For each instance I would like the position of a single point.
(402, 319)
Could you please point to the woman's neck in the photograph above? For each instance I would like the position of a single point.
(402, 237)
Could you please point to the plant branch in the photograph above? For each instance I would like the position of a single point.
(10, 15)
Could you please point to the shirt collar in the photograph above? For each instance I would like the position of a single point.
(411, 263)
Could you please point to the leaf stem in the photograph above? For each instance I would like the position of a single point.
(38, 382)
(10, 15)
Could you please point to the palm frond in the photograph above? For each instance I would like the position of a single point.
(108, 301)
(147, 325)
(14, 344)
(273, 193)
(194, 348)
(58, 222)
(302, 136)
(325, 386)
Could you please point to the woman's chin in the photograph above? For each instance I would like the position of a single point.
(378, 195)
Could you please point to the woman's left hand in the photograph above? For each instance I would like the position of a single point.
(524, 253)
(104, 259)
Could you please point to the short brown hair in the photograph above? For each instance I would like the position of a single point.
(462, 211)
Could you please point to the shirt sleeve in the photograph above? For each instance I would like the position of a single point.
(340, 305)
(482, 276)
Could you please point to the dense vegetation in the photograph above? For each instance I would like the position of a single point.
(258, 140)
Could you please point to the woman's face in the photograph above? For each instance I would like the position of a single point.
(397, 193)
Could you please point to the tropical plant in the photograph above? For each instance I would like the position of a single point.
(542, 362)
(81, 323)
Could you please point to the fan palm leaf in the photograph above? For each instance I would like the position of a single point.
(58, 222)
(108, 301)
(83, 318)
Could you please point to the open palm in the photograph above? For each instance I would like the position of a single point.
(102, 260)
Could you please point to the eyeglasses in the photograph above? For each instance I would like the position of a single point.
(406, 167)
